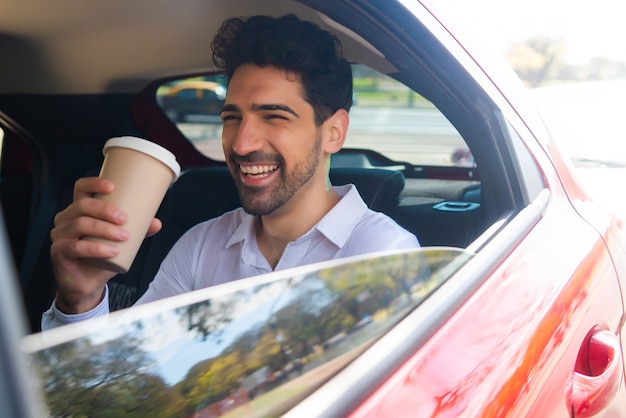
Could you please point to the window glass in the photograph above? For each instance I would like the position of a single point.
(1, 146)
(253, 347)
(387, 117)
(187, 94)
(392, 119)
(194, 104)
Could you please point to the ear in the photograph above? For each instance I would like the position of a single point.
(335, 130)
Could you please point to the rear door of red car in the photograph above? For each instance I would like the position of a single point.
(538, 339)
(530, 327)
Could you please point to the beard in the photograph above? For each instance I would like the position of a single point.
(260, 201)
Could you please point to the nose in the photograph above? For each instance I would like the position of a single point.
(247, 137)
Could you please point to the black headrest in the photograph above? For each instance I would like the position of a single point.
(379, 188)
(200, 194)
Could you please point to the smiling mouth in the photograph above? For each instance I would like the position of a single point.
(258, 171)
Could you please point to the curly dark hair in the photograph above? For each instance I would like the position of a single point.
(291, 44)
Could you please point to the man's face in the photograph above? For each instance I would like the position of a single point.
(271, 144)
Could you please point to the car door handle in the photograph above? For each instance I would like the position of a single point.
(598, 373)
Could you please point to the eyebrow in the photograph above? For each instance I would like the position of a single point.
(260, 108)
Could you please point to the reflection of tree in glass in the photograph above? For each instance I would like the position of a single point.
(305, 321)
(110, 379)
(375, 284)
(215, 379)
(207, 317)
(210, 316)
(210, 381)
(347, 294)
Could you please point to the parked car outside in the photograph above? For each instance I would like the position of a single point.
(202, 99)
(514, 305)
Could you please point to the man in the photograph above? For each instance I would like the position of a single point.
(285, 113)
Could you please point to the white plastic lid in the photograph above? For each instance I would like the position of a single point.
(147, 147)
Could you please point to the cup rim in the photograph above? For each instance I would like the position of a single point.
(147, 147)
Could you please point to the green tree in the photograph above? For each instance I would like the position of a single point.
(207, 317)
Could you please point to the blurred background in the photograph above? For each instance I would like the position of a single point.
(571, 55)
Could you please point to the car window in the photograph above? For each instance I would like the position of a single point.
(1, 146)
(386, 117)
(208, 95)
(187, 94)
(393, 120)
(194, 104)
(254, 347)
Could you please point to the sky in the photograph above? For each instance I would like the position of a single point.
(590, 29)
(586, 117)
(177, 350)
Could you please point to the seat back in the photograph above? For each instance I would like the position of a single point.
(379, 188)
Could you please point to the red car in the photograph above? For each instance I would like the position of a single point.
(514, 305)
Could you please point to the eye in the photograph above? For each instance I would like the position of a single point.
(226, 117)
(275, 116)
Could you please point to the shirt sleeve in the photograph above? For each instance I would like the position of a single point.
(378, 232)
(53, 317)
(406, 239)
(176, 273)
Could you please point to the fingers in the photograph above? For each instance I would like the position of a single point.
(88, 186)
(73, 249)
(91, 207)
(68, 247)
(85, 204)
(80, 284)
(90, 217)
(87, 216)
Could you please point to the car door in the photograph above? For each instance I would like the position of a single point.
(516, 335)
(517, 347)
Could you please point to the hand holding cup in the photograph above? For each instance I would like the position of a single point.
(141, 171)
(100, 233)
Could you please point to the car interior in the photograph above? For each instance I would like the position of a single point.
(55, 117)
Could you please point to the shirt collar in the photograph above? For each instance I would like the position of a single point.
(336, 225)
(244, 231)
(339, 222)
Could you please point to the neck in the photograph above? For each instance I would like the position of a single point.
(291, 221)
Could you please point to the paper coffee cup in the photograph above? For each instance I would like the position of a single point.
(141, 171)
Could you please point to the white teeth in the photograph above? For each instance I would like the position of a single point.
(257, 169)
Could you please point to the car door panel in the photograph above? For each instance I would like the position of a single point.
(614, 235)
(513, 347)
